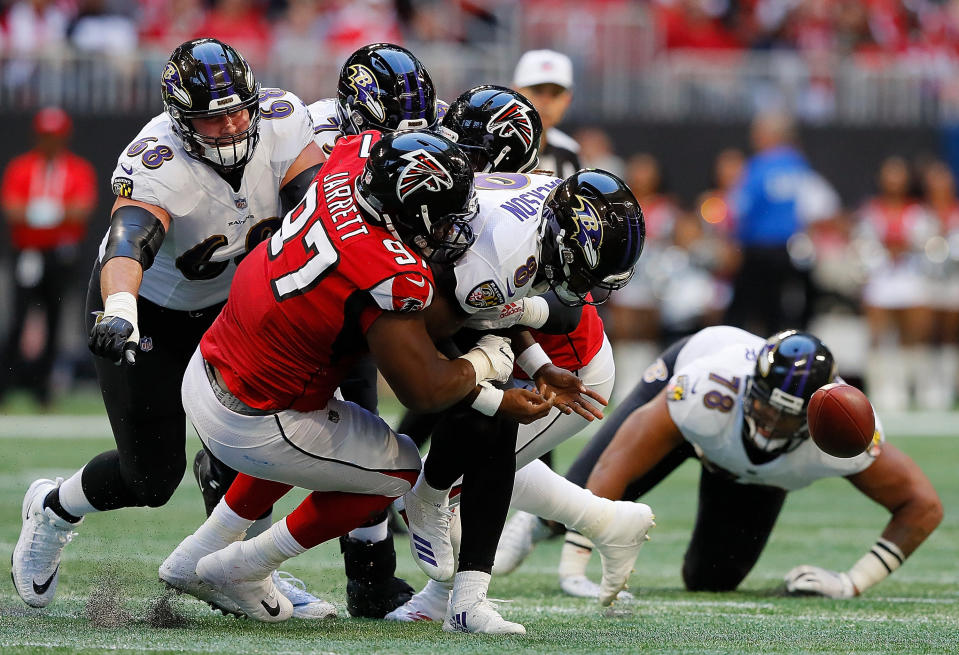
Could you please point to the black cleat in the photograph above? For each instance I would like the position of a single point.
(372, 589)
(210, 487)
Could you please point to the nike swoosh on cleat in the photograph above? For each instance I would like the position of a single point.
(41, 589)
(272, 611)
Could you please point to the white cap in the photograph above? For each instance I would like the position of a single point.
(543, 67)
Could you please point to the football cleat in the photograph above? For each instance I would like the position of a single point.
(619, 545)
(521, 533)
(35, 563)
(305, 604)
(228, 572)
(178, 571)
(372, 589)
(478, 615)
(428, 605)
(582, 587)
(430, 541)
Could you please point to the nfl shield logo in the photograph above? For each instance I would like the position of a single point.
(240, 203)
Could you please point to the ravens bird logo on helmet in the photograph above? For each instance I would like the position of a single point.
(589, 235)
(367, 91)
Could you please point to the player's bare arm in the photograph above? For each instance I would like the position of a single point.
(643, 439)
(898, 484)
(895, 482)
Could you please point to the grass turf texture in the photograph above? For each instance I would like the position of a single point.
(109, 597)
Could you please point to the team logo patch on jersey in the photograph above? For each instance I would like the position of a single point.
(423, 171)
(485, 295)
(874, 445)
(513, 119)
(174, 86)
(122, 187)
(367, 91)
(589, 233)
(656, 371)
(676, 390)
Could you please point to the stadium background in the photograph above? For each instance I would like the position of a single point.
(680, 80)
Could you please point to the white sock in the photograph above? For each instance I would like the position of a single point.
(470, 585)
(373, 533)
(266, 552)
(72, 499)
(430, 494)
(439, 589)
(259, 526)
(222, 528)
(542, 492)
(575, 556)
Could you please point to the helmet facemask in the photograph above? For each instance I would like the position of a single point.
(774, 421)
(225, 153)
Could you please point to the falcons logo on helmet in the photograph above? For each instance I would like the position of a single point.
(513, 119)
(423, 171)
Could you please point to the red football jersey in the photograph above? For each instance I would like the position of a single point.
(575, 350)
(302, 301)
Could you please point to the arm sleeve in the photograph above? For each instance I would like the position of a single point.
(562, 318)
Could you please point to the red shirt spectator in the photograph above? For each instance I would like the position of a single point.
(242, 25)
(48, 192)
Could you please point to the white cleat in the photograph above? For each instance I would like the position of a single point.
(428, 605)
(522, 532)
(619, 546)
(178, 571)
(257, 597)
(430, 541)
(582, 587)
(305, 604)
(35, 563)
(478, 615)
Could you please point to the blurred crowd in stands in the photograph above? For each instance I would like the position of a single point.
(261, 28)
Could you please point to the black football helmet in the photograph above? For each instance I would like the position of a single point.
(206, 78)
(593, 234)
(498, 129)
(789, 369)
(419, 185)
(384, 87)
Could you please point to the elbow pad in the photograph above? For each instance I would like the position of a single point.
(293, 191)
(134, 233)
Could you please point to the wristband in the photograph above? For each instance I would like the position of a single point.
(122, 304)
(884, 558)
(488, 400)
(532, 359)
(535, 312)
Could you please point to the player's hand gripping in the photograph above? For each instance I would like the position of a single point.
(568, 392)
(492, 358)
(115, 335)
(809, 580)
(524, 406)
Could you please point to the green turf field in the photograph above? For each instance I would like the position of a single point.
(109, 577)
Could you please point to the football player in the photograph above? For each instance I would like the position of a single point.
(534, 233)
(346, 270)
(197, 189)
(738, 404)
(381, 87)
(496, 127)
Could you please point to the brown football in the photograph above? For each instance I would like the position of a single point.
(841, 421)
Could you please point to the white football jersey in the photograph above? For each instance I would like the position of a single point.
(705, 400)
(212, 226)
(500, 266)
(326, 124)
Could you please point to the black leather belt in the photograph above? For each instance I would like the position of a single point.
(226, 397)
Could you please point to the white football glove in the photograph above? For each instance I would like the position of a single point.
(492, 358)
(531, 312)
(815, 581)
